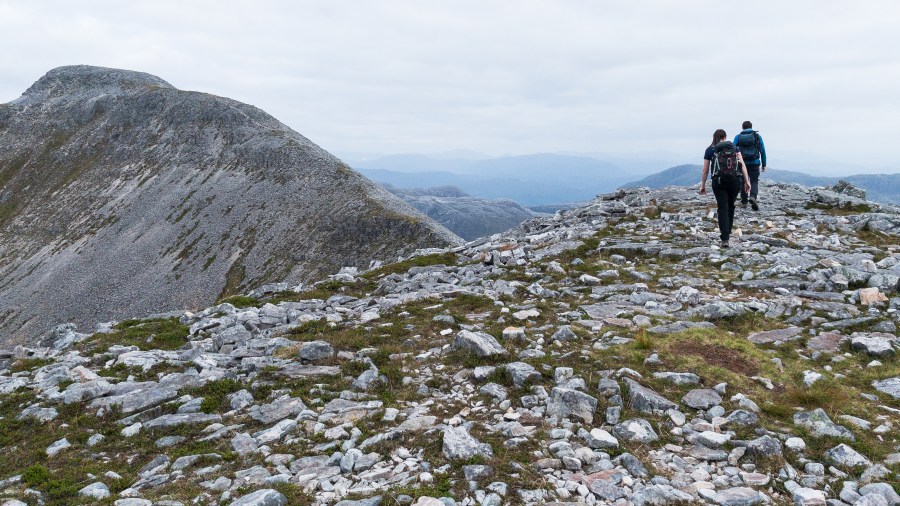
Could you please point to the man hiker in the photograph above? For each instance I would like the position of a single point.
(753, 150)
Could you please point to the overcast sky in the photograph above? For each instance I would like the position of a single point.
(510, 77)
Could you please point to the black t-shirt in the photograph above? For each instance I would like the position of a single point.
(710, 154)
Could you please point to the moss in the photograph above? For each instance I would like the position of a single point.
(419, 261)
(160, 334)
(214, 394)
(29, 364)
(241, 301)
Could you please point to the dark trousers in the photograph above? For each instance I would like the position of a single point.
(753, 172)
(726, 189)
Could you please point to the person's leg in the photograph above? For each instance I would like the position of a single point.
(744, 195)
(721, 193)
(734, 187)
(753, 172)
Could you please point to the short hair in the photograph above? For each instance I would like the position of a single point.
(746, 125)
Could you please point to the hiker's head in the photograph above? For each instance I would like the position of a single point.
(719, 136)
(745, 125)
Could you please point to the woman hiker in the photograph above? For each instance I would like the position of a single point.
(723, 159)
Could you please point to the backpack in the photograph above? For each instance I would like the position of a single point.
(748, 142)
(725, 162)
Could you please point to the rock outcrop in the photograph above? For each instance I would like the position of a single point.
(518, 369)
(121, 195)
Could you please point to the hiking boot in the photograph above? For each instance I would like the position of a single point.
(723, 244)
(753, 204)
(744, 204)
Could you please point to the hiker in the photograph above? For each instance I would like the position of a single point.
(754, 152)
(722, 159)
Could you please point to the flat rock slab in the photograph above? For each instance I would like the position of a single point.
(566, 402)
(771, 336)
(603, 311)
(828, 342)
(460, 445)
(737, 496)
(264, 497)
(819, 424)
(671, 328)
(181, 419)
(702, 398)
(890, 386)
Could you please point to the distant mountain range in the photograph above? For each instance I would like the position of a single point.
(879, 187)
(530, 180)
(466, 216)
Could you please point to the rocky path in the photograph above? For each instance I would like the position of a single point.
(606, 355)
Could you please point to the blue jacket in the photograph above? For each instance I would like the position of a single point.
(762, 149)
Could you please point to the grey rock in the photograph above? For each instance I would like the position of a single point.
(660, 495)
(678, 378)
(702, 398)
(566, 402)
(743, 417)
(264, 497)
(521, 373)
(371, 501)
(460, 445)
(764, 446)
(808, 497)
(279, 409)
(635, 430)
(646, 400)
(737, 496)
(845, 456)
(671, 328)
(240, 399)
(819, 424)
(479, 343)
(477, 472)
(315, 350)
(875, 345)
(564, 334)
(181, 419)
(98, 491)
(884, 490)
(890, 386)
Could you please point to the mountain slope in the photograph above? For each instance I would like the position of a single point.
(120, 194)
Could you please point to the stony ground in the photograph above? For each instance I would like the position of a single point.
(606, 355)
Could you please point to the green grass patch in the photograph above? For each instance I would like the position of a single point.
(419, 261)
(29, 364)
(157, 334)
(241, 301)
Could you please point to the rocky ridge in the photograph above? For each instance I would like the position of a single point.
(121, 195)
(605, 355)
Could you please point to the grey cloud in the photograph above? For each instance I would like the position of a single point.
(503, 77)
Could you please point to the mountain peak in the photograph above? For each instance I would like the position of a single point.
(86, 79)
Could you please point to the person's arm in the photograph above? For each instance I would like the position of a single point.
(703, 177)
(744, 170)
(762, 153)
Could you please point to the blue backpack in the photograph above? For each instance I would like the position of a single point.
(748, 143)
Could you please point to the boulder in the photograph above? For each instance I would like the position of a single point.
(479, 343)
